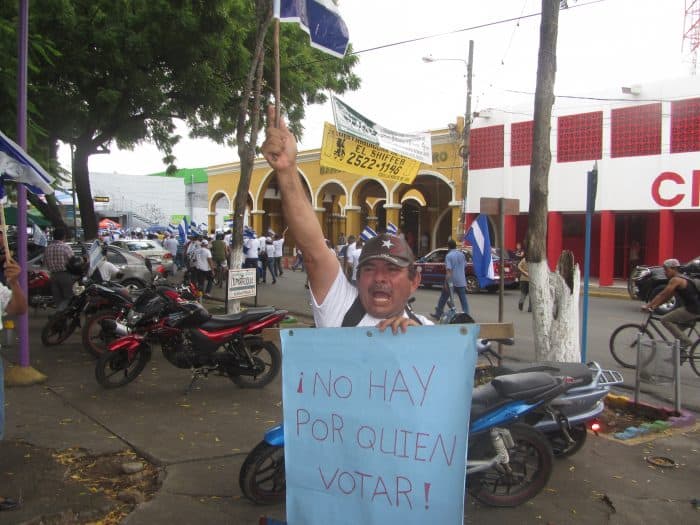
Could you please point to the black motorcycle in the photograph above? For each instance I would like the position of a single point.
(191, 338)
(90, 299)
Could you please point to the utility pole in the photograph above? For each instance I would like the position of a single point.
(466, 135)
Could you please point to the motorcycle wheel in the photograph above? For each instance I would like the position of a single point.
(561, 448)
(262, 476)
(58, 328)
(115, 369)
(268, 357)
(530, 467)
(95, 339)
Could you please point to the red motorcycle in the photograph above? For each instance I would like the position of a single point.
(109, 324)
(191, 338)
(39, 289)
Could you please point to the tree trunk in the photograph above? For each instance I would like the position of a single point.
(81, 175)
(555, 306)
(48, 209)
(248, 122)
(554, 295)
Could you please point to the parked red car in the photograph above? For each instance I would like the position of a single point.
(432, 267)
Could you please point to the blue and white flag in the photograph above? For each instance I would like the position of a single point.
(392, 228)
(94, 256)
(248, 232)
(17, 166)
(171, 229)
(478, 237)
(320, 19)
(38, 237)
(182, 229)
(367, 234)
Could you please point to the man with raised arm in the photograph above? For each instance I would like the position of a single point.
(387, 275)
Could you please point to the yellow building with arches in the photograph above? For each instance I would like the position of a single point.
(426, 211)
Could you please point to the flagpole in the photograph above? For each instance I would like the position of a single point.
(278, 89)
(3, 225)
(23, 374)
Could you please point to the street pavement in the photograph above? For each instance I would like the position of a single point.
(200, 440)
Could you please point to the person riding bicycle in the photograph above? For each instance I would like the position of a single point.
(690, 309)
(387, 274)
(219, 253)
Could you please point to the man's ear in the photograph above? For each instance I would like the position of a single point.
(415, 282)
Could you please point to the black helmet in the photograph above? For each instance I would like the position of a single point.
(75, 265)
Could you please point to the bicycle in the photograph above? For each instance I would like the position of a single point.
(623, 342)
(220, 274)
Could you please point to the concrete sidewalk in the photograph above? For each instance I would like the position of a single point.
(199, 442)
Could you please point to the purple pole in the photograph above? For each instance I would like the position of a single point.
(23, 37)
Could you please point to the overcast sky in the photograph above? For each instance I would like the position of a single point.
(601, 44)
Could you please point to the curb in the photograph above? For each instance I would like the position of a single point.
(611, 294)
(666, 418)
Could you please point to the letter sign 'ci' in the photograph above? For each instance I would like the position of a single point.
(656, 187)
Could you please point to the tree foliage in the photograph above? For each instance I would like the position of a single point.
(126, 70)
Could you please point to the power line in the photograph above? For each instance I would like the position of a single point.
(438, 35)
(471, 28)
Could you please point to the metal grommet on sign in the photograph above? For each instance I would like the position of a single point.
(369, 334)
(463, 330)
(291, 332)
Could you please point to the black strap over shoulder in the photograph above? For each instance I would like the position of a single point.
(356, 312)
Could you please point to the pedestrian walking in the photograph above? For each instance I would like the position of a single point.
(204, 265)
(299, 260)
(524, 285)
(278, 243)
(268, 260)
(455, 279)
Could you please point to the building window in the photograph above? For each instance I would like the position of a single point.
(580, 137)
(685, 125)
(486, 148)
(636, 131)
(521, 143)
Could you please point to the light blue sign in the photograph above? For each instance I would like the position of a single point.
(375, 424)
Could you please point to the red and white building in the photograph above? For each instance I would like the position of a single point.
(646, 142)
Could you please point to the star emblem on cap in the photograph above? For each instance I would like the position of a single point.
(387, 244)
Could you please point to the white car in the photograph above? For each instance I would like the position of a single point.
(148, 249)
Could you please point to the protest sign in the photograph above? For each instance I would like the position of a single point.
(417, 145)
(345, 153)
(376, 424)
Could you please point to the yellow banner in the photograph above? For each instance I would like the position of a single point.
(345, 153)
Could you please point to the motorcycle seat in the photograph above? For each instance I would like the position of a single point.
(218, 322)
(579, 371)
(484, 399)
(525, 385)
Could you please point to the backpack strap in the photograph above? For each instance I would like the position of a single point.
(356, 312)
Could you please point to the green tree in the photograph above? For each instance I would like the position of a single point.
(306, 76)
(127, 69)
(41, 54)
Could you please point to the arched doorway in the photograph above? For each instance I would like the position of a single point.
(332, 197)
(219, 211)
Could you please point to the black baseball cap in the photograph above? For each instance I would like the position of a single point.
(390, 248)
